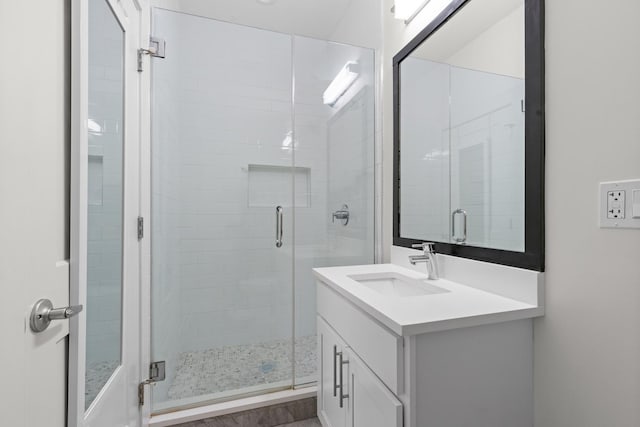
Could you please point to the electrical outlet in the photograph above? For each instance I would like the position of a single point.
(616, 204)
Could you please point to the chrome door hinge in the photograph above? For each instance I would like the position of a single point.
(140, 228)
(156, 374)
(156, 49)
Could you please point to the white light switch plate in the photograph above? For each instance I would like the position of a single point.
(618, 204)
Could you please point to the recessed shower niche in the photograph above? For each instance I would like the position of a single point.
(270, 185)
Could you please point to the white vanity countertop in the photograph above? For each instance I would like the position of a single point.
(462, 306)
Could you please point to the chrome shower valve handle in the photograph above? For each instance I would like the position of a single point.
(342, 214)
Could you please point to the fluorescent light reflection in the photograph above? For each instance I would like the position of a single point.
(94, 127)
(345, 78)
(436, 155)
(287, 142)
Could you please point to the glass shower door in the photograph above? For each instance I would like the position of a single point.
(222, 162)
(334, 141)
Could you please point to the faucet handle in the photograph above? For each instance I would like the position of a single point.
(425, 246)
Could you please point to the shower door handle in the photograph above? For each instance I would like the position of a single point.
(463, 239)
(278, 226)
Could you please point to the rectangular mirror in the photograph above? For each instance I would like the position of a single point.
(469, 133)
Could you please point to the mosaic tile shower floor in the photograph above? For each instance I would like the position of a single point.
(241, 366)
(98, 373)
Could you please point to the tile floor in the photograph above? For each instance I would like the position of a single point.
(313, 422)
(298, 413)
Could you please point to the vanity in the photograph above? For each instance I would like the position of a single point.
(402, 348)
(396, 349)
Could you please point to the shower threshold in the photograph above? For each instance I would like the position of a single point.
(232, 406)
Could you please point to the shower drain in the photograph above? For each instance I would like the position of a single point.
(267, 367)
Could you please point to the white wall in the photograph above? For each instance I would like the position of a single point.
(310, 18)
(355, 22)
(360, 24)
(500, 49)
(587, 347)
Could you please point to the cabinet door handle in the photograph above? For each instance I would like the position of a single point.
(342, 395)
(278, 226)
(335, 371)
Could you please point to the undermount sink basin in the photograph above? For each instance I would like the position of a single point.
(397, 285)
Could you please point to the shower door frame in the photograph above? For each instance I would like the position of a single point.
(145, 208)
(206, 409)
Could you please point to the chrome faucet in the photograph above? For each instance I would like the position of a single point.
(429, 257)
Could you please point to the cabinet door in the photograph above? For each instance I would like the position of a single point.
(371, 404)
(331, 350)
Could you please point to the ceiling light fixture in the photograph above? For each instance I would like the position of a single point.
(406, 10)
(343, 81)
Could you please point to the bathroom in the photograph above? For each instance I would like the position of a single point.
(232, 191)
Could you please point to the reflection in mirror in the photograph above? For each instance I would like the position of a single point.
(462, 130)
(105, 195)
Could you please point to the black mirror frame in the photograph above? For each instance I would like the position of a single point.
(533, 256)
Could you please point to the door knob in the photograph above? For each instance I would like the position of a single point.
(43, 313)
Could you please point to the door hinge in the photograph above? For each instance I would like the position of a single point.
(140, 228)
(156, 49)
(156, 374)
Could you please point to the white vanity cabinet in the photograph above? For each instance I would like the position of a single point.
(350, 394)
(380, 368)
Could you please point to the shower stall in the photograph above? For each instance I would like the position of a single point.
(262, 168)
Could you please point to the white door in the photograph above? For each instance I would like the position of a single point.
(33, 212)
(104, 351)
